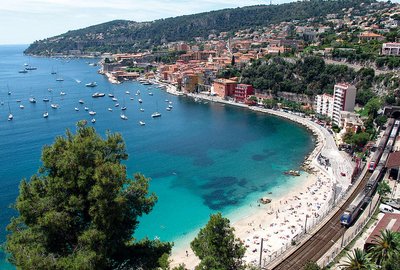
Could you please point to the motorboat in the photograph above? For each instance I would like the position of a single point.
(54, 105)
(140, 100)
(23, 71)
(116, 105)
(81, 101)
(127, 92)
(110, 95)
(86, 108)
(62, 93)
(123, 108)
(10, 116)
(91, 84)
(142, 123)
(46, 99)
(141, 109)
(93, 120)
(124, 117)
(32, 100)
(92, 112)
(45, 114)
(155, 114)
(114, 99)
(150, 93)
(77, 109)
(21, 106)
(110, 110)
(97, 94)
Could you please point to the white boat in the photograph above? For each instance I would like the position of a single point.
(123, 108)
(46, 99)
(9, 93)
(45, 114)
(127, 92)
(92, 112)
(155, 114)
(114, 99)
(76, 109)
(97, 94)
(21, 106)
(93, 120)
(10, 115)
(141, 109)
(109, 109)
(31, 68)
(150, 93)
(138, 92)
(86, 108)
(168, 108)
(62, 93)
(78, 81)
(110, 95)
(124, 117)
(140, 100)
(59, 79)
(18, 100)
(166, 100)
(131, 98)
(91, 84)
(116, 105)
(54, 105)
(81, 101)
(32, 100)
(142, 123)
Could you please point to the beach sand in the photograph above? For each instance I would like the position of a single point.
(284, 220)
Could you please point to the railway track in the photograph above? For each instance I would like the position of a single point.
(319, 243)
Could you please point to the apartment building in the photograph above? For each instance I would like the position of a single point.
(324, 105)
(392, 48)
(344, 97)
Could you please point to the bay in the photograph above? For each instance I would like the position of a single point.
(202, 158)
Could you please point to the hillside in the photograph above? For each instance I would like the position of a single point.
(123, 36)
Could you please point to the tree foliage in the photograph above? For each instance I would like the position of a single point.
(217, 247)
(80, 210)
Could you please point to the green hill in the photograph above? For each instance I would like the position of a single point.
(124, 36)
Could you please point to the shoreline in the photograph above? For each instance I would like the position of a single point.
(289, 216)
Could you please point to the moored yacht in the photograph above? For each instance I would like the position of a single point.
(124, 117)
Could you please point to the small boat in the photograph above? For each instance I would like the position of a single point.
(92, 112)
(168, 108)
(91, 84)
(10, 117)
(46, 99)
(292, 172)
(109, 109)
(140, 100)
(166, 100)
(155, 114)
(170, 102)
(9, 93)
(110, 95)
(141, 109)
(78, 81)
(93, 120)
(131, 98)
(97, 94)
(142, 123)
(264, 200)
(123, 108)
(21, 106)
(23, 71)
(59, 79)
(114, 99)
(81, 101)
(31, 68)
(18, 100)
(76, 109)
(62, 93)
(45, 114)
(32, 100)
(138, 92)
(116, 105)
(150, 93)
(127, 92)
(86, 108)
(54, 105)
(124, 117)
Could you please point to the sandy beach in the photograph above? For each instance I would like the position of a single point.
(287, 218)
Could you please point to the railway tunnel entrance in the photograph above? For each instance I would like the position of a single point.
(392, 112)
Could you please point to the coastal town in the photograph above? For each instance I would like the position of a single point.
(336, 76)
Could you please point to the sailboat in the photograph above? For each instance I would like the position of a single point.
(10, 115)
(156, 113)
(53, 105)
(53, 71)
(45, 114)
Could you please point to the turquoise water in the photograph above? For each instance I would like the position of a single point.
(202, 158)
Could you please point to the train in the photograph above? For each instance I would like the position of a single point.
(363, 198)
(382, 142)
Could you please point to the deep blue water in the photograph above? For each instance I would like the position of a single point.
(202, 158)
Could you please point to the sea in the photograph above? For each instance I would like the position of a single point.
(201, 157)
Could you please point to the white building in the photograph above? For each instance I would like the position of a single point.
(344, 98)
(392, 48)
(324, 105)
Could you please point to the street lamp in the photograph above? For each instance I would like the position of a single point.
(261, 250)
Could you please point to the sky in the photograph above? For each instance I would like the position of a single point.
(24, 21)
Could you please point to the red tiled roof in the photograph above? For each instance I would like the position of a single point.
(393, 160)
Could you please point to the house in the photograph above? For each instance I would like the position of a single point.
(389, 222)
(224, 87)
(368, 36)
(392, 48)
(243, 91)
